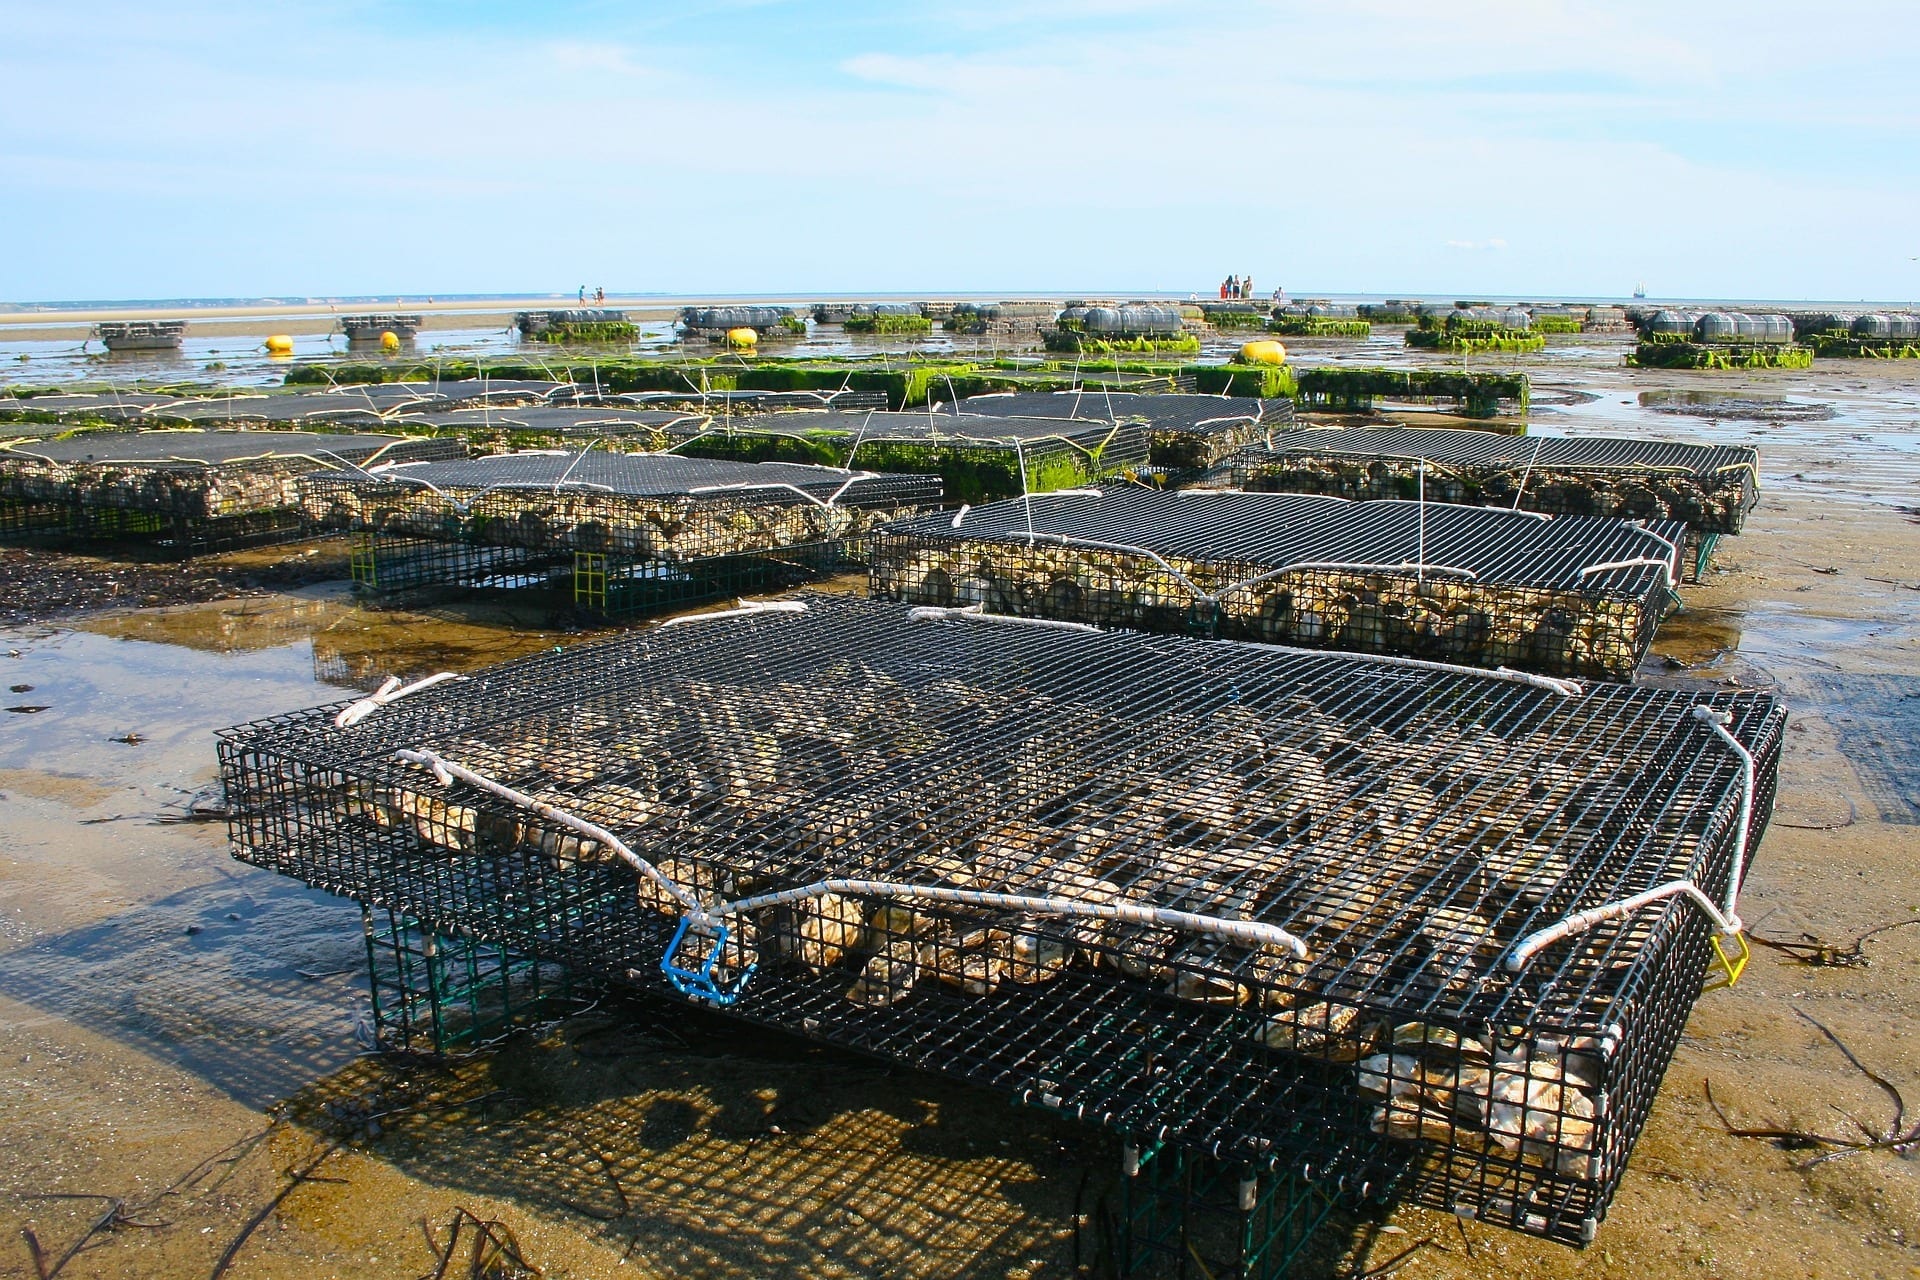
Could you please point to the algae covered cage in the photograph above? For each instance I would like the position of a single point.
(1191, 891)
(1709, 488)
(1564, 595)
(637, 531)
(193, 490)
(1186, 432)
(977, 457)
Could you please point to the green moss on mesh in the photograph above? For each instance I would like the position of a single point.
(1354, 390)
(883, 324)
(587, 331)
(1264, 381)
(1557, 324)
(1319, 327)
(1064, 339)
(1661, 354)
(1841, 346)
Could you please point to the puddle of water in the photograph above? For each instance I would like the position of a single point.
(149, 932)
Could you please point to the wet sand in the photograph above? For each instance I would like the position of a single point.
(178, 1032)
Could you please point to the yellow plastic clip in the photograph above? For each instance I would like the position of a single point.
(1725, 970)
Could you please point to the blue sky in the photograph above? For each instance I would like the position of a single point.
(1508, 147)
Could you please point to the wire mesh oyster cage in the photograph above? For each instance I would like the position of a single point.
(1186, 432)
(189, 488)
(1710, 488)
(636, 530)
(1362, 919)
(1566, 595)
(978, 458)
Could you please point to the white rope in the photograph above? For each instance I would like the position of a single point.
(1252, 932)
(446, 772)
(1725, 916)
(745, 608)
(977, 613)
(1665, 567)
(390, 691)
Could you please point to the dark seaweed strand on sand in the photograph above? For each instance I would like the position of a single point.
(1410, 826)
(1458, 584)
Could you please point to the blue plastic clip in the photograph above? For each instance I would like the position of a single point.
(699, 983)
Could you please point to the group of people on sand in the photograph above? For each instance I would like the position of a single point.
(599, 295)
(1237, 287)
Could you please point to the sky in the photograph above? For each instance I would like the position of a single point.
(202, 148)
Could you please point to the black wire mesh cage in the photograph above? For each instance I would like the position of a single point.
(64, 407)
(1371, 923)
(1710, 488)
(1566, 595)
(492, 428)
(1186, 431)
(650, 505)
(197, 490)
(977, 457)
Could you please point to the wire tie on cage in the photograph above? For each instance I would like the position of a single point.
(391, 690)
(743, 609)
(1634, 562)
(1725, 915)
(978, 613)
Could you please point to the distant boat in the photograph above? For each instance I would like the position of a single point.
(1639, 291)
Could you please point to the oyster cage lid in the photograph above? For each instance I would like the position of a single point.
(645, 475)
(1410, 823)
(1279, 529)
(1492, 449)
(191, 447)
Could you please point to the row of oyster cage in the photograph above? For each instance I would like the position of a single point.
(1546, 1110)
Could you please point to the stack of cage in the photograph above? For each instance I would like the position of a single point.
(1564, 596)
(1362, 922)
(1709, 488)
(376, 326)
(715, 323)
(978, 458)
(1019, 322)
(551, 426)
(187, 491)
(1187, 433)
(635, 532)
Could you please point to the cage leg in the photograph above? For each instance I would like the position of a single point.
(363, 565)
(590, 580)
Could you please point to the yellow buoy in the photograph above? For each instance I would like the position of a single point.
(389, 341)
(279, 345)
(742, 337)
(1263, 351)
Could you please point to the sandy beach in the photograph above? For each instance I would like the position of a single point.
(178, 1033)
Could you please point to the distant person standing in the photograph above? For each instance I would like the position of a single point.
(600, 294)
(583, 293)
(1246, 287)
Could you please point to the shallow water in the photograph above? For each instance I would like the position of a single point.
(125, 919)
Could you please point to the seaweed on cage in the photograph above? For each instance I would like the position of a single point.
(1571, 596)
(978, 458)
(1188, 432)
(1073, 866)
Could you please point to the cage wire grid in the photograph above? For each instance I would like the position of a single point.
(1566, 595)
(191, 491)
(649, 506)
(1709, 487)
(1409, 825)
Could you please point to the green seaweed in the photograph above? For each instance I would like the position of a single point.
(1072, 340)
(1354, 390)
(1319, 327)
(883, 324)
(1673, 351)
